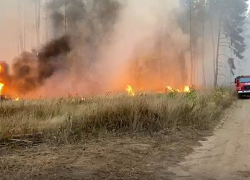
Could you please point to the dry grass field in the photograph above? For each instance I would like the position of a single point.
(112, 137)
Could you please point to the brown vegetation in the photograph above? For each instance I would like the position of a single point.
(73, 118)
(113, 137)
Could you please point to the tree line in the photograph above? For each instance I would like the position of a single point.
(226, 20)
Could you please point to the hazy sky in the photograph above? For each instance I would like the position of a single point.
(10, 26)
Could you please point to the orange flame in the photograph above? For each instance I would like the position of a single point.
(1, 88)
(17, 99)
(185, 89)
(170, 88)
(130, 90)
(1, 68)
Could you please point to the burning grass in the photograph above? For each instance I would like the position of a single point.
(72, 119)
(1, 87)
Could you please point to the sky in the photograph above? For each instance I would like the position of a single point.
(8, 29)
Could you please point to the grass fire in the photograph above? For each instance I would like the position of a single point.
(1, 88)
(111, 89)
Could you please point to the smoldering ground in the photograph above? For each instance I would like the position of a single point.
(111, 44)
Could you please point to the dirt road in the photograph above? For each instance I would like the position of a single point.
(226, 154)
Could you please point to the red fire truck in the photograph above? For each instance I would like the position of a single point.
(242, 84)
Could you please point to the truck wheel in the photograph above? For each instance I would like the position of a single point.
(239, 96)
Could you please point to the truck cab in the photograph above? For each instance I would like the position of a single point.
(242, 84)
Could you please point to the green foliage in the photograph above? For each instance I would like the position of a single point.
(172, 94)
(220, 96)
(233, 13)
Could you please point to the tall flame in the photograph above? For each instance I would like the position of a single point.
(130, 90)
(1, 88)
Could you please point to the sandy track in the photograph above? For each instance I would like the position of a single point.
(226, 154)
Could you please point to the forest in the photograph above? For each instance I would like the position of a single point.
(123, 89)
(187, 42)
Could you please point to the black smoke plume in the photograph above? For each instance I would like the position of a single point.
(87, 25)
(31, 69)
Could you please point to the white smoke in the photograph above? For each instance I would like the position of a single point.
(137, 31)
(102, 61)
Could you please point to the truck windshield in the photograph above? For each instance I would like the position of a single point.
(245, 80)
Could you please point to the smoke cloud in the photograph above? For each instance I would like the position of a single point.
(30, 70)
(104, 45)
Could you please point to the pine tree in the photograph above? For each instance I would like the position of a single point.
(192, 22)
(230, 16)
